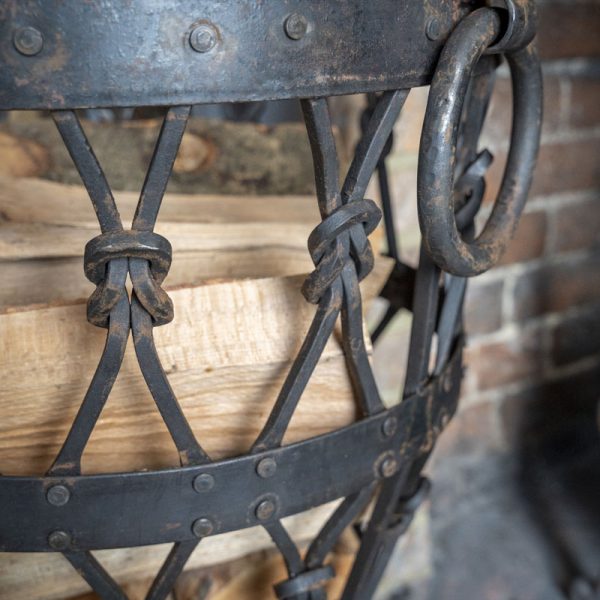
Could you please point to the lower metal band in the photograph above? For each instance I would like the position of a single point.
(136, 509)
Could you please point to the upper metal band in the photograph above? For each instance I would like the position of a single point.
(58, 54)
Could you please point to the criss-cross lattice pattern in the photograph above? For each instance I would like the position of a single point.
(342, 256)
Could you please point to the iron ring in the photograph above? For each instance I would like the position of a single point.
(437, 155)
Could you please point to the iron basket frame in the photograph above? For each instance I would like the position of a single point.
(177, 53)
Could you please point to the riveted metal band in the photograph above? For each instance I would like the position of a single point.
(167, 52)
(133, 509)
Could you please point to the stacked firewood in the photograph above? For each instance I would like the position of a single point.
(239, 259)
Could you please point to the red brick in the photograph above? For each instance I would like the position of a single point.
(561, 167)
(568, 30)
(499, 120)
(577, 336)
(585, 101)
(529, 241)
(500, 363)
(483, 307)
(555, 288)
(567, 166)
(578, 225)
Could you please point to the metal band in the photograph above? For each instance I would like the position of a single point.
(169, 52)
(133, 509)
(127, 244)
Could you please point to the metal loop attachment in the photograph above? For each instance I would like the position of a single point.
(149, 261)
(360, 218)
(520, 26)
(437, 159)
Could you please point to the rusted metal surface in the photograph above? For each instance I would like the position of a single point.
(438, 148)
(178, 52)
(166, 52)
(346, 461)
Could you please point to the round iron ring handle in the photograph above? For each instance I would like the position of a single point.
(437, 154)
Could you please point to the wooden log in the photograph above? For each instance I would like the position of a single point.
(31, 200)
(44, 227)
(226, 353)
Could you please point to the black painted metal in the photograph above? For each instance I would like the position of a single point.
(308, 473)
(179, 52)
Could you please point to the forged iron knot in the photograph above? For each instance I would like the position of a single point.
(148, 257)
(330, 252)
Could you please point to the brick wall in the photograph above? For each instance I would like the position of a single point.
(535, 319)
(533, 325)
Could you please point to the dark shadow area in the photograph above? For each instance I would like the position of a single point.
(559, 475)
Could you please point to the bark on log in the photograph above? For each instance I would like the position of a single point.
(215, 156)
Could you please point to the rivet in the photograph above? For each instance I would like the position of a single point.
(203, 482)
(388, 467)
(58, 495)
(204, 38)
(296, 26)
(389, 426)
(202, 527)
(59, 540)
(28, 41)
(266, 467)
(433, 29)
(265, 510)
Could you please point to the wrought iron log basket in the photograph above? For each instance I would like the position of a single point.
(65, 55)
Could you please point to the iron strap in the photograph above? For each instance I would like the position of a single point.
(133, 509)
(169, 52)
